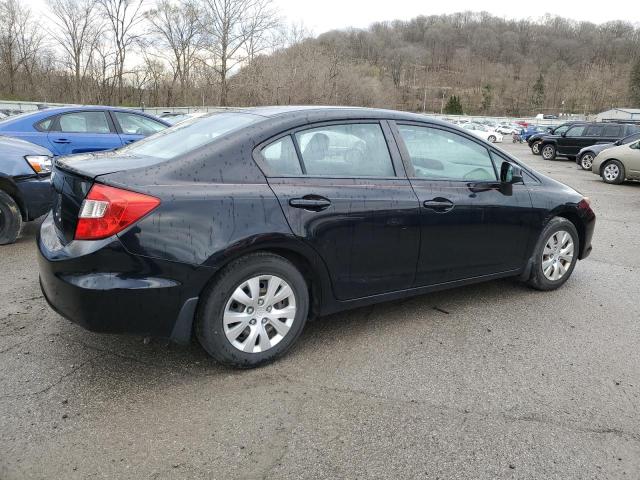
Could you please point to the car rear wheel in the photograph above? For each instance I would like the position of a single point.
(613, 172)
(492, 138)
(555, 255)
(549, 152)
(254, 312)
(535, 147)
(586, 161)
(10, 219)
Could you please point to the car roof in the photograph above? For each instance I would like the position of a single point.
(315, 113)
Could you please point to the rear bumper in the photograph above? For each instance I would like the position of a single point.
(36, 195)
(103, 288)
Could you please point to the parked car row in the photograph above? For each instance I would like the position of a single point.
(29, 142)
(609, 149)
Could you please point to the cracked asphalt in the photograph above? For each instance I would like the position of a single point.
(481, 382)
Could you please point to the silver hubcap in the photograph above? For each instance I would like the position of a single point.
(557, 255)
(547, 152)
(259, 313)
(611, 172)
(587, 161)
(536, 147)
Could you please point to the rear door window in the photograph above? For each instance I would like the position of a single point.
(84, 122)
(595, 131)
(352, 150)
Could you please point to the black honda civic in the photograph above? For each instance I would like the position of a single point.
(237, 227)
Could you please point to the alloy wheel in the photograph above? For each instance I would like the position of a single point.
(259, 313)
(547, 152)
(535, 148)
(586, 161)
(611, 172)
(557, 255)
(492, 139)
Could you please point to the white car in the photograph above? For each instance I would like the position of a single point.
(509, 129)
(483, 132)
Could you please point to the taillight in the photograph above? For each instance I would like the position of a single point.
(109, 210)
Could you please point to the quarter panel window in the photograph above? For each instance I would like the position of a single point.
(612, 131)
(281, 157)
(354, 150)
(133, 124)
(442, 155)
(84, 122)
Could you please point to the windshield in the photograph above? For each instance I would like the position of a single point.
(190, 134)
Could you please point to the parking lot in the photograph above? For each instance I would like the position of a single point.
(488, 381)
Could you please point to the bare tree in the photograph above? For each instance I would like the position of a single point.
(20, 41)
(230, 25)
(180, 38)
(77, 32)
(123, 18)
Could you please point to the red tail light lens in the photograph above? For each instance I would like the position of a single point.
(109, 210)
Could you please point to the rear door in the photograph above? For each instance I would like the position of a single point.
(132, 127)
(469, 226)
(83, 131)
(343, 190)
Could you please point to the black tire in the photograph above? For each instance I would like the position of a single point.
(548, 151)
(535, 147)
(492, 138)
(615, 166)
(538, 280)
(586, 161)
(209, 318)
(10, 219)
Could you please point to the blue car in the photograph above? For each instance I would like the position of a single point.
(535, 129)
(81, 129)
(25, 186)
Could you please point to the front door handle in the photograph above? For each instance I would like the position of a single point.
(61, 140)
(127, 142)
(310, 202)
(438, 204)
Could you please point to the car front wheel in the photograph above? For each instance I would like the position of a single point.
(10, 219)
(254, 312)
(492, 138)
(555, 255)
(613, 172)
(549, 152)
(586, 161)
(535, 148)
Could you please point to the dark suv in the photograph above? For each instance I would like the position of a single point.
(568, 144)
(535, 140)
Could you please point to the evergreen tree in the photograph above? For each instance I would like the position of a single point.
(487, 97)
(537, 101)
(634, 84)
(453, 106)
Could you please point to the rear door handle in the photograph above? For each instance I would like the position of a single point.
(310, 202)
(439, 204)
(61, 140)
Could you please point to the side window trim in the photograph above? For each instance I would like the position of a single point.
(406, 158)
(262, 164)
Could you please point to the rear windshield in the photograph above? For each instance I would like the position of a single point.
(189, 135)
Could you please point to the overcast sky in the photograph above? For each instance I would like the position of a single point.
(322, 15)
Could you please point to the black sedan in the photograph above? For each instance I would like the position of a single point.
(239, 227)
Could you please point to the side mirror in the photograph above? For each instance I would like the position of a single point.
(510, 174)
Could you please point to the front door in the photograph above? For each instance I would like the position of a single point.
(133, 127)
(471, 227)
(81, 132)
(574, 140)
(345, 193)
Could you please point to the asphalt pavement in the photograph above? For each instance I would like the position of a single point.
(481, 382)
